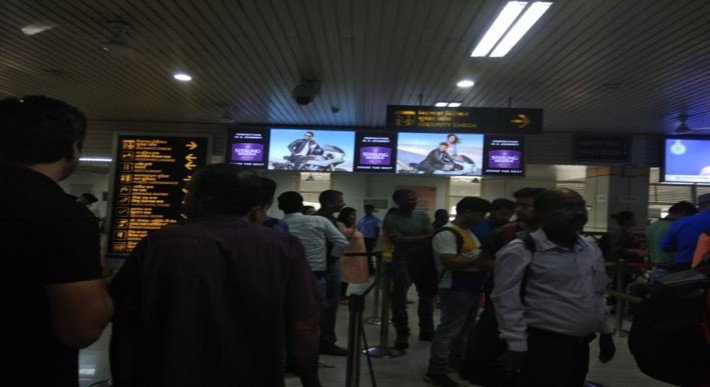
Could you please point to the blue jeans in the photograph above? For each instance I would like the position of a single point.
(401, 281)
(332, 298)
(458, 315)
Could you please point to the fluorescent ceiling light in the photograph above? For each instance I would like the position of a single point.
(504, 20)
(441, 104)
(465, 83)
(521, 27)
(182, 77)
(454, 104)
(36, 28)
(95, 159)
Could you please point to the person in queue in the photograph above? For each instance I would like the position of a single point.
(682, 236)
(409, 232)
(663, 262)
(53, 294)
(216, 301)
(548, 334)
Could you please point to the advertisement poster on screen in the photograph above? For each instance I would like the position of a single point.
(687, 160)
(440, 153)
(375, 151)
(313, 150)
(503, 156)
(247, 148)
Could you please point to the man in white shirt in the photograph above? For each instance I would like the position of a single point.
(562, 283)
(313, 232)
(460, 286)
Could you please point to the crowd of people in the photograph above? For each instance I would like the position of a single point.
(234, 297)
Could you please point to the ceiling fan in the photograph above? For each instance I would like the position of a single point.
(683, 128)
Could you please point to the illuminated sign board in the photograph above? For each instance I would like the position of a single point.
(375, 151)
(248, 148)
(151, 173)
(602, 148)
(503, 155)
(465, 119)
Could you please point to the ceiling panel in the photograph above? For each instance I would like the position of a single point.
(592, 65)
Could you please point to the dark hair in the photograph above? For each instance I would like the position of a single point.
(343, 215)
(401, 194)
(622, 216)
(290, 202)
(305, 209)
(471, 203)
(502, 203)
(328, 196)
(366, 206)
(441, 213)
(309, 132)
(223, 189)
(37, 129)
(683, 207)
(268, 188)
(528, 192)
(453, 134)
(444, 143)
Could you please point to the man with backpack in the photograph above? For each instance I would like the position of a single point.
(455, 249)
(549, 301)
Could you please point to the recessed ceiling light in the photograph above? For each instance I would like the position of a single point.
(182, 77)
(441, 104)
(521, 27)
(454, 104)
(504, 20)
(465, 83)
(95, 159)
(36, 28)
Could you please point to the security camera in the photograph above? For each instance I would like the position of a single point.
(335, 109)
(305, 92)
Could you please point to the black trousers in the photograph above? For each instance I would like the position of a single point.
(555, 360)
(370, 244)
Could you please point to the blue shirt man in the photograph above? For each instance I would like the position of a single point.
(684, 233)
(369, 224)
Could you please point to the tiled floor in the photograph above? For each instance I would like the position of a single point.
(407, 370)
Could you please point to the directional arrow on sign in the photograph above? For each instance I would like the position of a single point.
(191, 157)
(191, 145)
(190, 165)
(521, 120)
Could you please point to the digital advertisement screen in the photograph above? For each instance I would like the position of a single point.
(440, 153)
(687, 160)
(503, 156)
(311, 150)
(375, 151)
(247, 148)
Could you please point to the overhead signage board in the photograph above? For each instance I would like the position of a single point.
(600, 148)
(503, 156)
(248, 148)
(375, 151)
(151, 173)
(465, 119)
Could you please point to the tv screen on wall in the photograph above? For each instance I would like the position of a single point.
(247, 148)
(686, 160)
(315, 150)
(440, 153)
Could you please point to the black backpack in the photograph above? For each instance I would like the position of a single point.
(484, 346)
(668, 334)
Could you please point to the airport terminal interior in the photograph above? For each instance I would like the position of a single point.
(608, 98)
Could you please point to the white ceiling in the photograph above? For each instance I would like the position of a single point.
(592, 65)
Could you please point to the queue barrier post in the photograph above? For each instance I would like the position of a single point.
(375, 318)
(383, 350)
(620, 303)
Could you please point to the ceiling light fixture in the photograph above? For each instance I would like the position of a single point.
(448, 104)
(441, 104)
(454, 104)
(494, 37)
(95, 159)
(521, 27)
(464, 83)
(504, 20)
(182, 77)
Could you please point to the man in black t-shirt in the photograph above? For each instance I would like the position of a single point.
(53, 295)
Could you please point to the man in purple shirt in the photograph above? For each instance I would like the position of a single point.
(216, 302)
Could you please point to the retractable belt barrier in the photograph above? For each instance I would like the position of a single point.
(356, 331)
(621, 294)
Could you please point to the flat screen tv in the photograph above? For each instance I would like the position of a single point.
(686, 160)
(311, 150)
(440, 153)
(247, 147)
